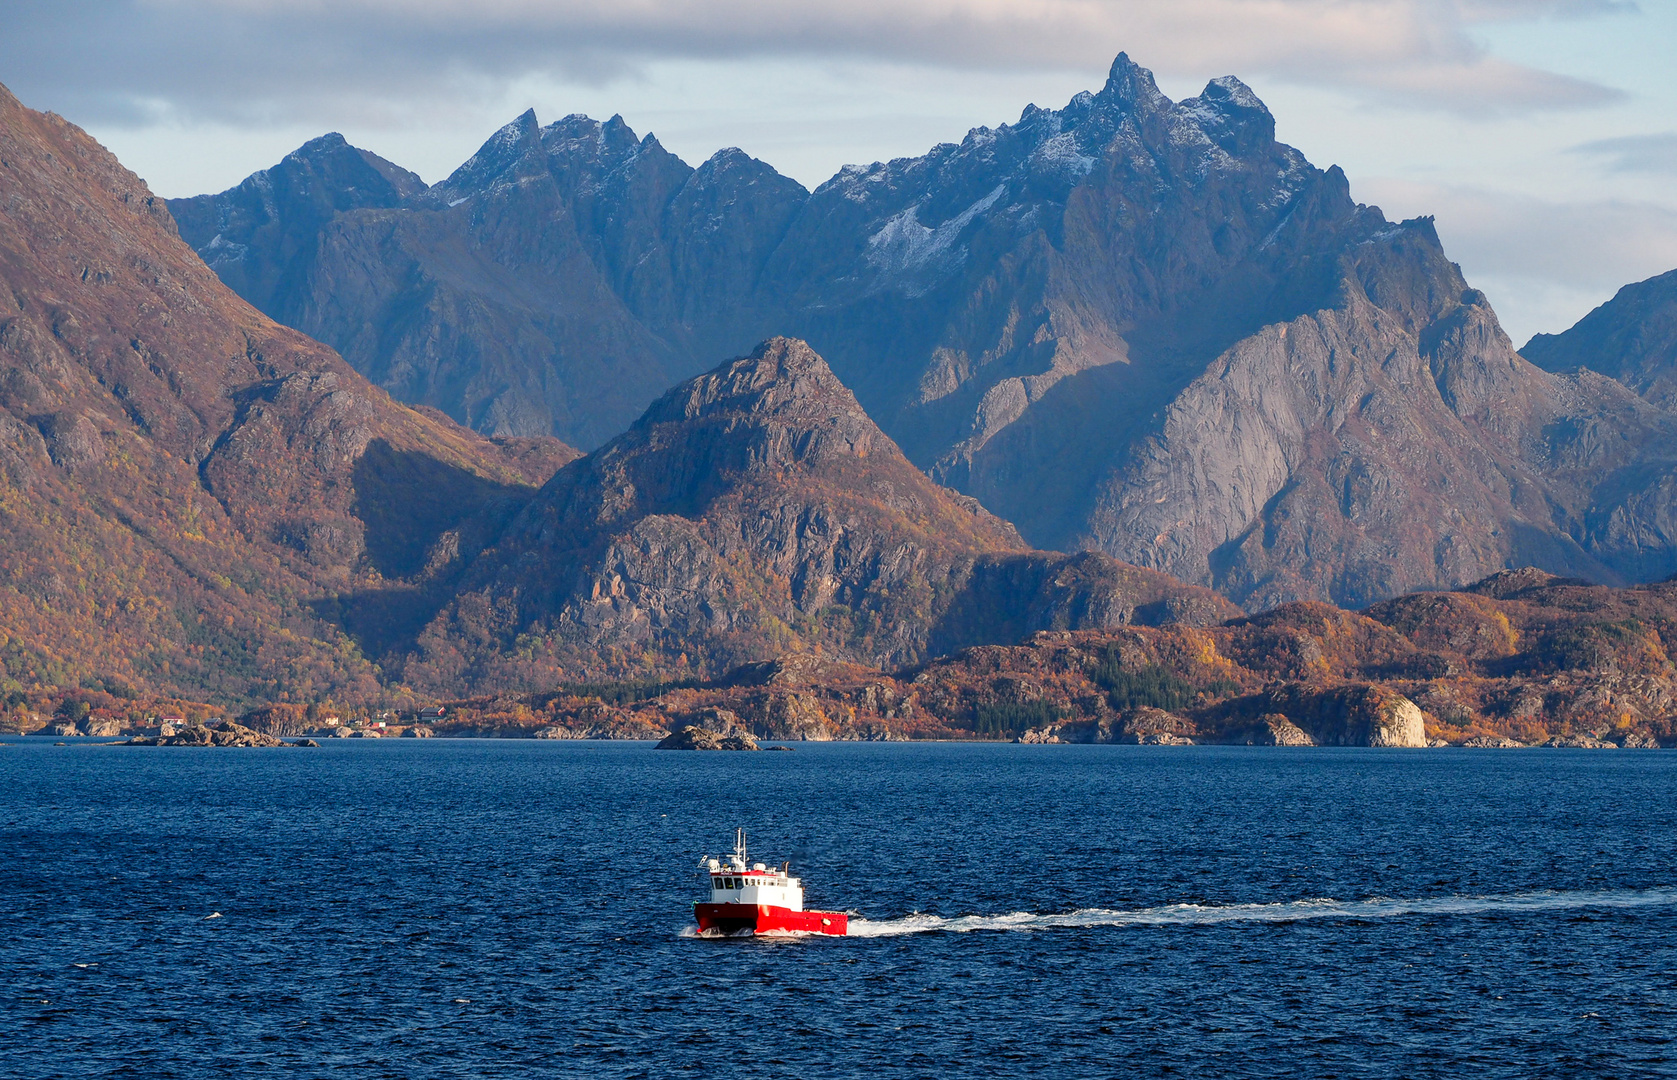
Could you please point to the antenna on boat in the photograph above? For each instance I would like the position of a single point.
(739, 844)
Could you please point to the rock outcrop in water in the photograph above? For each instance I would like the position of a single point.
(226, 733)
(697, 738)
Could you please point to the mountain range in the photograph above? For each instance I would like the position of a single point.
(1129, 363)
(195, 500)
(1130, 326)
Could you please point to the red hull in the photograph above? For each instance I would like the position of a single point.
(734, 918)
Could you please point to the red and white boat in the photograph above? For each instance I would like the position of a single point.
(746, 896)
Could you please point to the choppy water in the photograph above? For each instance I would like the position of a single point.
(512, 909)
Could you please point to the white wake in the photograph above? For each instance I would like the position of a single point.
(1293, 911)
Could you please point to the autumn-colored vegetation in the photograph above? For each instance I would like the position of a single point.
(1521, 656)
(195, 501)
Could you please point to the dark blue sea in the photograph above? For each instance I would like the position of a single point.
(441, 908)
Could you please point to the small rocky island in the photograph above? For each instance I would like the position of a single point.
(697, 738)
(225, 733)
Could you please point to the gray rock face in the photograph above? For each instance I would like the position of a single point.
(1339, 456)
(1347, 715)
(1130, 325)
(1273, 729)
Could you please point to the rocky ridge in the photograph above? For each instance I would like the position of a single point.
(751, 511)
(1522, 658)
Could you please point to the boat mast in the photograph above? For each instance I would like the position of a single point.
(739, 845)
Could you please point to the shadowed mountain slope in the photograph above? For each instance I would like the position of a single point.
(1631, 338)
(1129, 325)
(182, 481)
(752, 511)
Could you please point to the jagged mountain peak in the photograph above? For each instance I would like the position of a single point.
(347, 175)
(247, 234)
(772, 430)
(512, 144)
(580, 146)
(329, 174)
(732, 158)
(1229, 89)
(1129, 124)
(320, 144)
(577, 152)
(777, 413)
(580, 133)
(1232, 116)
(783, 379)
(1129, 83)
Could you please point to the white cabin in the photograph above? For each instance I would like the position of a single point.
(732, 881)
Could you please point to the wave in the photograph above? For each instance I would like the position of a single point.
(1291, 911)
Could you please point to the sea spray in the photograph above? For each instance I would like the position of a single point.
(1291, 911)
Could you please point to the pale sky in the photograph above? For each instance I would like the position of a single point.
(1542, 134)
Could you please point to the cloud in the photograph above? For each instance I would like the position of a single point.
(1655, 153)
(244, 61)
